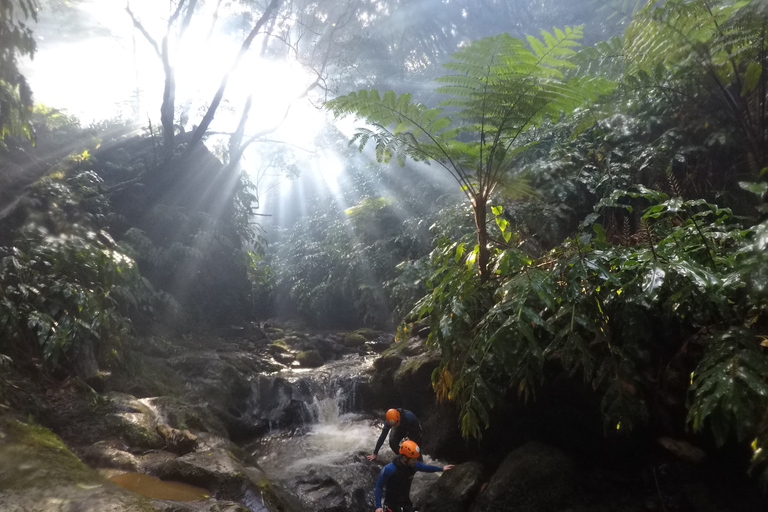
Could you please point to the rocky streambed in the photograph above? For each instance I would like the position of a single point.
(275, 418)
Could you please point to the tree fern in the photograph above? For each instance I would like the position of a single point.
(500, 88)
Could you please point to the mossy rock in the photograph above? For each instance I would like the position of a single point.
(22, 442)
(310, 358)
(39, 472)
(368, 334)
(277, 499)
(280, 345)
(183, 416)
(225, 476)
(133, 421)
(352, 339)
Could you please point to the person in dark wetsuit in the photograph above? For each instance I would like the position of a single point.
(397, 476)
(403, 423)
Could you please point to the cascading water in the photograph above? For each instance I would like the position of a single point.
(322, 457)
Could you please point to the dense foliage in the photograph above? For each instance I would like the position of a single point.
(502, 88)
(339, 267)
(614, 229)
(16, 41)
(630, 268)
(68, 288)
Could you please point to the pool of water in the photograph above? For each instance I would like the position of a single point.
(152, 487)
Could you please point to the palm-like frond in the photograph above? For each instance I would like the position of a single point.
(500, 87)
(722, 41)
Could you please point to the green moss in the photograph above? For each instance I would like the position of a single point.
(395, 349)
(310, 358)
(39, 457)
(352, 339)
(409, 366)
(368, 334)
(281, 344)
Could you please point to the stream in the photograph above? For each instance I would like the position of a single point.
(322, 461)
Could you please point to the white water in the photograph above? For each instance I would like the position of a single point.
(333, 443)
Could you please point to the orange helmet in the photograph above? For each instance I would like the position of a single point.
(393, 416)
(410, 449)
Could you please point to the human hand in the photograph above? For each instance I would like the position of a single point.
(371, 457)
(379, 510)
(447, 467)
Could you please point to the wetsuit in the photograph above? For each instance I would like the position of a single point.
(409, 427)
(397, 477)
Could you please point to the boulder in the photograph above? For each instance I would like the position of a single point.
(198, 506)
(442, 435)
(38, 472)
(368, 334)
(454, 490)
(353, 339)
(325, 494)
(533, 478)
(310, 359)
(133, 422)
(227, 478)
(412, 381)
(104, 454)
(214, 470)
(183, 416)
(177, 441)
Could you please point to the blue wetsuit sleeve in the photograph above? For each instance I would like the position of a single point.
(427, 468)
(382, 437)
(384, 475)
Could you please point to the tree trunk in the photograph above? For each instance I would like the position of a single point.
(167, 109)
(479, 205)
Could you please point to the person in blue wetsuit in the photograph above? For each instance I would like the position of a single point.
(396, 477)
(403, 423)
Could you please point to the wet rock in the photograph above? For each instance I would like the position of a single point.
(346, 487)
(105, 455)
(413, 381)
(453, 491)
(153, 459)
(325, 494)
(382, 382)
(214, 470)
(39, 473)
(442, 435)
(183, 416)
(415, 346)
(421, 330)
(310, 359)
(198, 506)
(353, 339)
(381, 343)
(272, 404)
(133, 422)
(228, 479)
(177, 441)
(532, 478)
(284, 358)
(368, 334)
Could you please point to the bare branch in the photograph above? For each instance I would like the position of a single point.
(140, 27)
(197, 136)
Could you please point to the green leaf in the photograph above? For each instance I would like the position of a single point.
(751, 77)
(758, 188)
